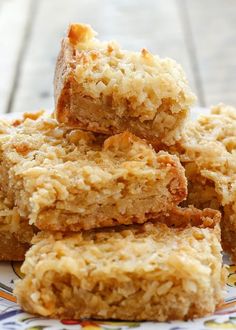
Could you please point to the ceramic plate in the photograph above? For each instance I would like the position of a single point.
(13, 318)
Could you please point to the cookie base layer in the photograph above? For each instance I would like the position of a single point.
(11, 249)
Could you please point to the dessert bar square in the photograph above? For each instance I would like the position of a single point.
(208, 152)
(67, 179)
(15, 233)
(102, 88)
(137, 272)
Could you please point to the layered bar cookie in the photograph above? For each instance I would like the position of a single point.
(209, 155)
(67, 179)
(137, 272)
(15, 234)
(100, 87)
(15, 231)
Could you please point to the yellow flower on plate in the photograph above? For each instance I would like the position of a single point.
(231, 281)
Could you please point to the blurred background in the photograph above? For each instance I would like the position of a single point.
(199, 34)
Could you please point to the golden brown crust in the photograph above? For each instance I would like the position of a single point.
(67, 179)
(63, 81)
(78, 33)
(142, 272)
(117, 111)
(180, 217)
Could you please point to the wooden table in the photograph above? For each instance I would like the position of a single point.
(200, 34)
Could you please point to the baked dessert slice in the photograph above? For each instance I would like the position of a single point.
(101, 88)
(138, 272)
(15, 233)
(208, 153)
(66, 179)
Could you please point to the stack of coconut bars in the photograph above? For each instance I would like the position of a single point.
(98, 187)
